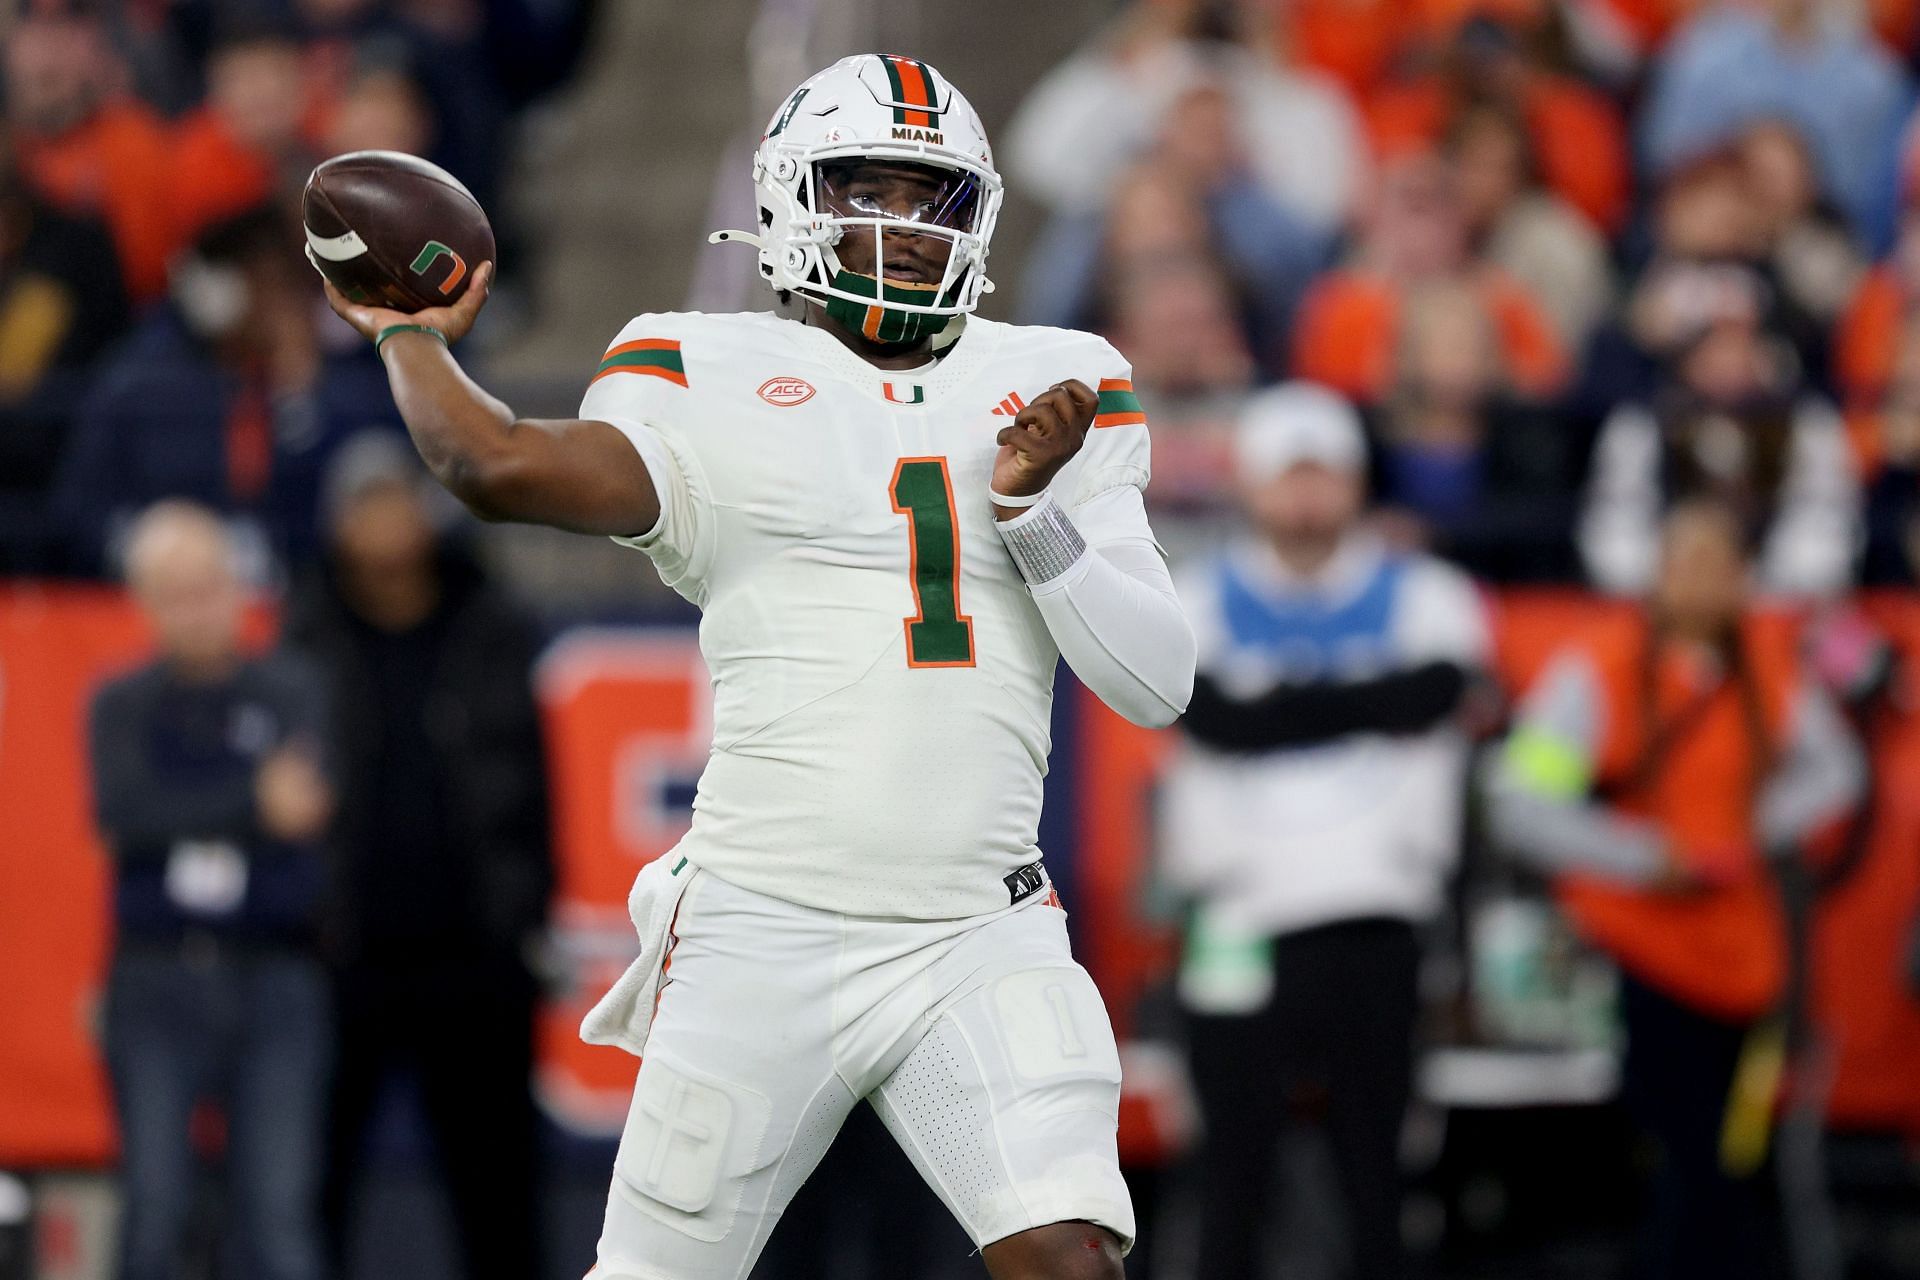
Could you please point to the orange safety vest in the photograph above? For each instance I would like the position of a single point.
(1721, 950)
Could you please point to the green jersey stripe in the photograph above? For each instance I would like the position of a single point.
(655, 359)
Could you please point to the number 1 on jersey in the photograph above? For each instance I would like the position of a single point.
(938, 635)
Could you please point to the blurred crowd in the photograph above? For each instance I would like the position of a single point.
(1613, 294)
(157, 337)
(1571, 260)
(331, 866)
(1422, 296)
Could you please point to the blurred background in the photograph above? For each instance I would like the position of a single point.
(1532, 891)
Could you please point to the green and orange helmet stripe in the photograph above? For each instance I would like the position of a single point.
(655, 357)
(916, 99)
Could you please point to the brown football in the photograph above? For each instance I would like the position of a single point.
(392, 230)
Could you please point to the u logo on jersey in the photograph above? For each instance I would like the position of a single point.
(918, 393)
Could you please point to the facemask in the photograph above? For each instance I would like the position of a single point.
(881, 324)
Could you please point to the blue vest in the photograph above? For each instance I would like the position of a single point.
(1304, 635)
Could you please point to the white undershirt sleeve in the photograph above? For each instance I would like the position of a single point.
(1110, 606)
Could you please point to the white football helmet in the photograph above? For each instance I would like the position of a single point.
(866, 108)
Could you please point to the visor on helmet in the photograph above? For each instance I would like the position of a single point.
(898, 191)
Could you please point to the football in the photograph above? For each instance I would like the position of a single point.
(392, 230)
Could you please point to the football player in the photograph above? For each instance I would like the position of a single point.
(895, 517)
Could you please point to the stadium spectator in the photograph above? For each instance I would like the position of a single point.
(1524, 229)
(1313, 870)
(86, 149)
(1867, 340)
(441, 841)
(1810, 247)
(61, 303)
(1464, 468)
(248, 144)
(446, 47)
(1886, 447)
(1810, 63)
(221, 395)
(381, 109)
(522, 49)
(1733, 418)
(1658, 767)
(1096, 112)
(1613, 39)
(1415, 234)
(1190, 196)
(209, 791)
(1191, 359)
(1578, 136)
(1706, 220)
(1358, 42)
(1178, 315)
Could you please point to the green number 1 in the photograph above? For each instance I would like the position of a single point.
(938, 635)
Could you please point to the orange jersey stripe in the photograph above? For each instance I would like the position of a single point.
(1118, 406)
(642, 344)
(674, 376)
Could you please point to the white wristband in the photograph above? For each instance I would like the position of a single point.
(1004, 500)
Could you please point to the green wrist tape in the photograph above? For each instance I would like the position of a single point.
(392, 329)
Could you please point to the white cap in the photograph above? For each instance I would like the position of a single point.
(1293, 423)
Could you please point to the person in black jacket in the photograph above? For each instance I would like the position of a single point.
(1465, 468)
(209, 791)
(442, 842)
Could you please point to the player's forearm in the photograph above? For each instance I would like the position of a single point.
(1114, 615)
(574, 474)
(1559, 834)
(463, 433)
(1125, 637)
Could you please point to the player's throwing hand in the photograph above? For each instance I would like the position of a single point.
(451, 322)
(1042, 438)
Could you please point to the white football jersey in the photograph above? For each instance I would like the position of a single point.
(882, 678)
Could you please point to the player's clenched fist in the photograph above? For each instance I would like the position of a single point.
(1042, 438)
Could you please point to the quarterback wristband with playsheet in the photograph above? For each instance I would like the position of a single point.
(1042, 540)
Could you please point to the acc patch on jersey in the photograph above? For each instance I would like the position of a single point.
(786, 392)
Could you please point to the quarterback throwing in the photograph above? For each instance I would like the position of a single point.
(895, 517)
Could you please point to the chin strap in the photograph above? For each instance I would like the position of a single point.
(744, 237)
